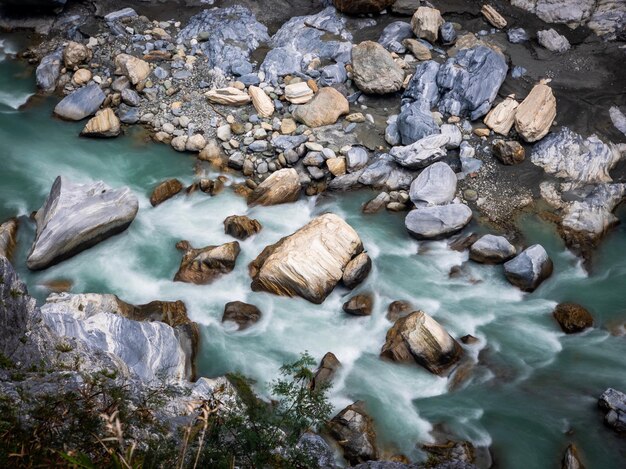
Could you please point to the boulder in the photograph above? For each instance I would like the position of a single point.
(529, 268)
(455, 137)
(202, 266)
(104, 124)
(419, 338)
(437, 221)
(261, 102)
(195, 143)
(354, 431)
(373, 69)
(310, 262)
(491, 249)
(509, 152)
(613, 402)
(336, 166)
(48, 71)
(329, 366)
(447, 33)
(517, 35)
(8, 237)
(535, 115)
(436, 185)
(377, 203)
(81, 77)
(81, 103)
(298, 93)
(357, 270)
(359, 305)
(426, 23)
(324, 109)
(243, 314)
(494, 18)
(393, 36)
(76, 217)
(415, 122)
(356, 159)
(75, 54)
(228, 96)
(241, 227)
(571, 458)
(361, 7)
(423, 84)
(421, 153)
(133, 68)
(385, 173)
(502, 117)
(572, 317)
(164, 191)
(283, 186)
(553, 41)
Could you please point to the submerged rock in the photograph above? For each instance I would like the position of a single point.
(435, 185)
(421, 153)
(81, 103)
(281, 187)
(613, 402)
(329, 366)
(241, 227)
(357, 270)
(437, 221)
(572, 317)
(529, 268)
(8, 237)
(491, 249)
(243, 314)
(324, 109)
(418, 337)
(164, 191)
(310, 262)
(76, 217)
(354, 431)
(534, 117)
(104, 124)
(202, 266)
(373, 69)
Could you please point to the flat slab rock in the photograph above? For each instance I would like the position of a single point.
(310, 262)
(76, 217)
(374, 70)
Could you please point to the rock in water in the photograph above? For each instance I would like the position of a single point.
(491, 249)
(261, 101)
(572, 317)
(136, 70)
(493, 17)
(437, 221)
(298, 93)
(357, 270)
(77, 216)
(326, 372)
(324, 109)
(360, 7)
(202, 266)
(535, 115)
(48, 71)
(374, 70)
(8, 237)
(243, 314)
(418, 337)
(359, 305)
(354, 431)
(553, 41)
(426, 23)
(384, 173)
(416, 122)
(435, 185)
(614, 403)
(571, 459)
(421, 153)
(164, 191)
(241, 227)
(310, 262)
(75, 54)
(281, 187)
(510, 152)
(81, 103)
(528, 269)
(104, 124)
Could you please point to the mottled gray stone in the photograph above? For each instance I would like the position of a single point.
(553, 41)
(529, 268)
(356, 158)
(384, 173)
(394, 34)
(423, 84)
(422, 153)
(81, 103)
(614, 403)
(435, 185)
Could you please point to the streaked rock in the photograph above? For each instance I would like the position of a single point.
(493, 17)
(104, 124)
(298, 93)
(435, 185)
(283, 186)
(502, 117)
(241, 227)
(359, 305)
(422, 153)
(242, 314)
(228, 96)
(164, 191)
(329, 366)
(534, 116)
(415, 122)
(373, 69)
(354, 431)
(571, 458)
(529, 268)
(426, 23)
(8, 237)
(202, 266)
(491, 249)
(613, 402)
(437, 221)
(261, 101)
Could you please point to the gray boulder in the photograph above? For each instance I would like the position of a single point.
(614, 403)
(455, 137)
(48, 71)
(354, 431)
(356, 158)
(437, 221)
(394, 33)
(491, 249)
(422, 153)
(76, 217)
(435, 185)
(415, 122)
(357, 270)
(333, 74)
(81, 103)
(423, 85)
(384, 173)
(553, 41)
(529, 268)
(447, 33)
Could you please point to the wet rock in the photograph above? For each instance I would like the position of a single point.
(261, 101)
(528, 269)
(329, 366)
(104, 124)
(361, 7)
(451, 455)
(502, 117)
(76, 217)
(8, 237)
(415, 122)
(357, 270)
(48, 71)
(81, 103)
(354, 431)
(243, 314)
(384, 173)
(394, 34)
(399, 309)
(437, 221)
(229, 96)
(509, 152)
(310, 262)
(324, 109)
(241, 227)
(517, 35)
(571, 458)
(492, 16)
(491, 249)
(534, 117)
(572, 317)
(377, 203)
(470, 81)
(164, 191)
(418, 49)
(418, 337)
(423, 84)
(613, 402)
(75, 54)
(553, 41)
(422, 153)
(282, 186)
(133, 68)
(202, 266)
(435, 185)
(359, 305)
(426, 23)
(373, 69)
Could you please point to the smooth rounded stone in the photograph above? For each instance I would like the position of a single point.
(509, 152)
(613, 402)
(455, 137)
(354, 432)
(81, 103)
(325, 373)
(534, 116)
(572, 317)
(415, 122)
(426, 23)
(308, 263)
(8, 237)
(422, 153)
(491, 249)
(131, 97)
(469, 82)
(242, 314)
(435, 185)
(280, 187)
(202, 266)
(571, 458)
(356, 271)
(553, 41)
(384, 173)
(373, 69)
(261, 102)
(437, 221)
(133, 68)
(298, 93)
(179, 143)
(356, 159)
(81, 76)
(336, 166)
(517, 35)
(164, 191)
(359, 305)
(104, 124)
(492, 16)
(229, 96)
(423, 85)
(447, 33)
(377, 203)
(419, 338)
(324, 109)
(241, 227)
(361, 7)
(288, 142)
(528, 269)
(395, 33)
(76, 217)
(48, 71)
